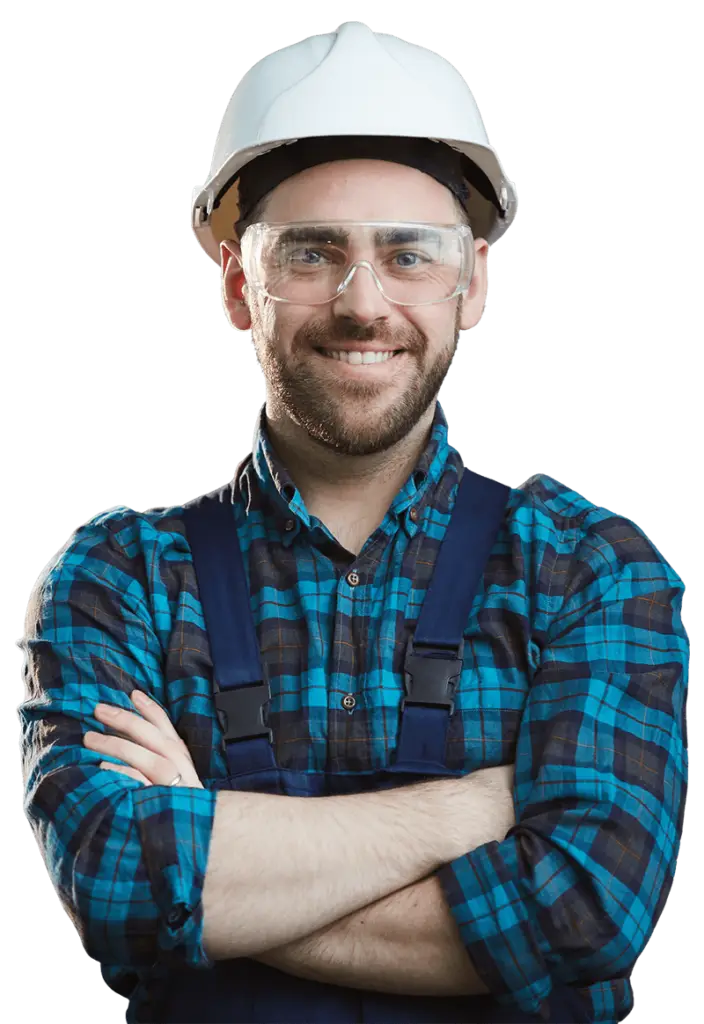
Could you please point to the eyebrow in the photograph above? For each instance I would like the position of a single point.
(338, 236)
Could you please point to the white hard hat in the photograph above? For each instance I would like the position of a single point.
(349, 82)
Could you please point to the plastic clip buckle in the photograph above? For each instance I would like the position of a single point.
(432, 680)
(241, 711)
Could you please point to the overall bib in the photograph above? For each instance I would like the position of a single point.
(242, 990)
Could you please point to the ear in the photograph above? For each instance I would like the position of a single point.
(475, 298)
(234, 285)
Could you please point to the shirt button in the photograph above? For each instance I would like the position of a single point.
(349, 701)
(353, 578)
(290, 524)
(413, 513)
(177, 916)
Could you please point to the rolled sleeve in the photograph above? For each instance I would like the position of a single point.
(182, 820)
(127, 860)
(572, 894)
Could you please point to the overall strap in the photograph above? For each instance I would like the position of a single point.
(240, 685)
(434, 654)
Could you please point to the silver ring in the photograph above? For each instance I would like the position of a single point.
(176, 780)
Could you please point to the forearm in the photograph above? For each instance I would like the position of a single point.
(280, 868)
(406, 943)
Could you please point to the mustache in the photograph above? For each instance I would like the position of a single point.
(316, 334)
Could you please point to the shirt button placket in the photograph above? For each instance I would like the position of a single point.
(349, 701)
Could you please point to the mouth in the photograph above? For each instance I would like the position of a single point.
(366, 357)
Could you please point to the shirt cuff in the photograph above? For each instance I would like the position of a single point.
(175, 827)
(503, 942)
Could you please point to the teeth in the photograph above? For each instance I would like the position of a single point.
(360, 357)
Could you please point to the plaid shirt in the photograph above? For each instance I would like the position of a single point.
(576, 665)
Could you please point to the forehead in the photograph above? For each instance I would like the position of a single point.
(361, 190)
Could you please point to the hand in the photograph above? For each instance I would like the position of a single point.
(154, 752)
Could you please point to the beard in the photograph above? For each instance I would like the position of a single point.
(347, 416)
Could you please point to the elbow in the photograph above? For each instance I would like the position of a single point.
(112, 945)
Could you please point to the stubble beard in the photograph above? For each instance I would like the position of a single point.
(345, 416)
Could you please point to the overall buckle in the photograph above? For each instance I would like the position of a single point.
(241, 711)
(431, 680)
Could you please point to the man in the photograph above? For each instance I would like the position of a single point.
(350, 433)
(361, 735)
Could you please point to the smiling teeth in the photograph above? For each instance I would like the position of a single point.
(360, 357)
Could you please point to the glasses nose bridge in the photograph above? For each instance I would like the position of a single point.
(352, 270)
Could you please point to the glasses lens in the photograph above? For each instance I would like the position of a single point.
(309, 263)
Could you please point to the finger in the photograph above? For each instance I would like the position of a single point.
(155, 714)
(160, 742)
(125, 770)
(140, 730)
(159, 770)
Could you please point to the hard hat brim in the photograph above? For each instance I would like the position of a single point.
(215, 206)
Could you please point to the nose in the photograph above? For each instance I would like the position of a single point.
(361, 300)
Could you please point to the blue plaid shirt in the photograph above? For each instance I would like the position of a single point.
(576, 668)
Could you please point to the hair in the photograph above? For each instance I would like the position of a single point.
(259, 209)
(254, 215)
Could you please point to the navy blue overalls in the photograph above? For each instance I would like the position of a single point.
(243, 990)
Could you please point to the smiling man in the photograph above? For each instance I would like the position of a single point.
(354, 356)
(361, 735)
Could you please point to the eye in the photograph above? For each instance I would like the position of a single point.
(310, 257)
(415, 258)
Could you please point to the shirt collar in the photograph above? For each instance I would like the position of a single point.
(273, 481)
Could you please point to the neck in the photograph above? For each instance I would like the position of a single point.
(349, 493)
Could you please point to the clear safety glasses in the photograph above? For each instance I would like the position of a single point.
(413, 264)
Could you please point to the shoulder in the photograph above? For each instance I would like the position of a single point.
(551, 513)
(119, 537)
(119, 551)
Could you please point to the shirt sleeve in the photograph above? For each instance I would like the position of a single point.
(127, 860)
(573, 892)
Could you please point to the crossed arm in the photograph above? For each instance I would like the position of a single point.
(407, 943)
